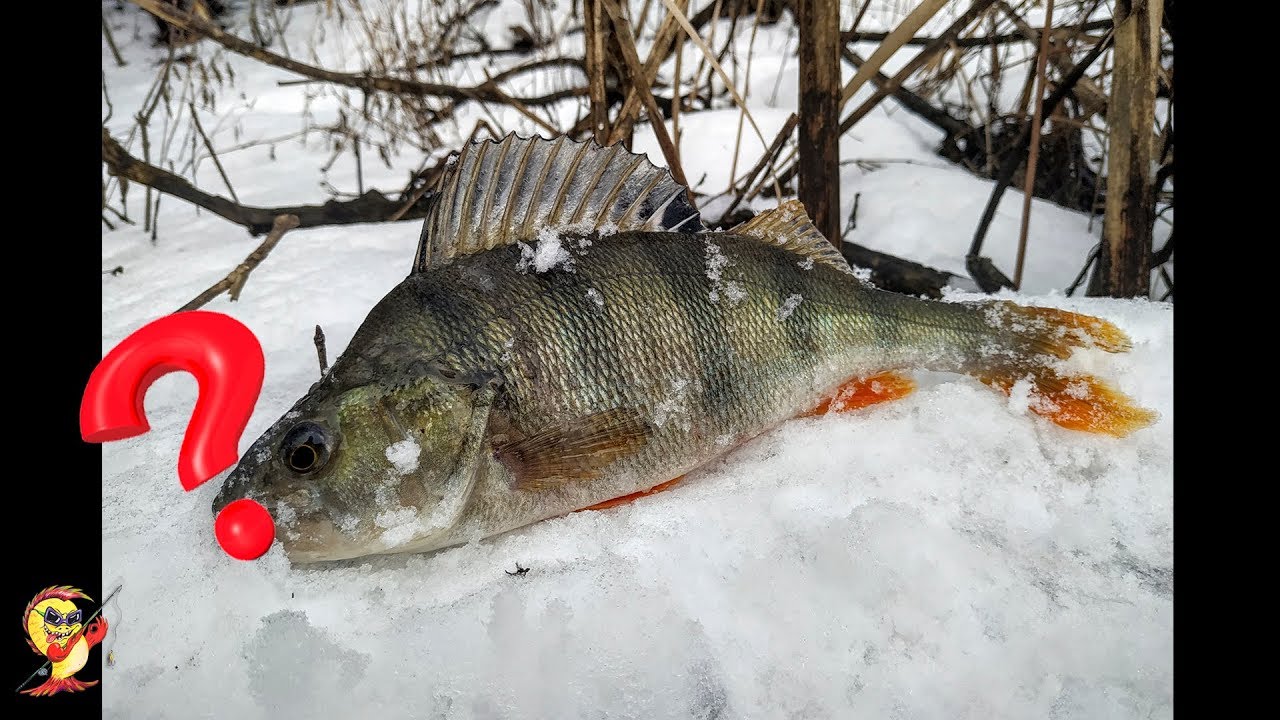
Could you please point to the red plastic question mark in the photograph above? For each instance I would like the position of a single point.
(227, 362)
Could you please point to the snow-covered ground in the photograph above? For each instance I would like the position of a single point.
(947, 555)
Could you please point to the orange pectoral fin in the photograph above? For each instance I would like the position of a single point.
(862, 392)
(625, 499)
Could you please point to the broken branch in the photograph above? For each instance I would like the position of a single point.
(373, 206)
(235, 280)
(361, 81)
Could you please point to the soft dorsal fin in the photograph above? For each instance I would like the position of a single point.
(788, 226)
(499, 193)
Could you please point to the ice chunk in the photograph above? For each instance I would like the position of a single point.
(549, 253)
(404, 456)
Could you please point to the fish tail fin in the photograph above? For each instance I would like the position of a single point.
(1077, 402)
(1080, 402)
(1056, 332)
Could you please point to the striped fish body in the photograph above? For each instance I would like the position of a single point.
(570, 334)
(709, 339)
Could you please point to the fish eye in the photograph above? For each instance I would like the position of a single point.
(306, 448)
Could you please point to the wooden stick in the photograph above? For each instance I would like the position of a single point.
(360, 81)
(209, 146)
(819, 160)
(235, 280)
(896, 39)
(942, 42)
(594, 26)
(373, 206)
(320, 351)
(766, 159)
(626, 42)
(1128, 221)
(1029, 182)
(111, 42)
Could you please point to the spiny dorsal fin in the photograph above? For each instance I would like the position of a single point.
(788, 226)
(499, 193)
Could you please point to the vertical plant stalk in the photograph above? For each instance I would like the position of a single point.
(1033, 156)
(111, 43)
(746, 92)
(593, 28)
(1125, 262)
(819, 161)
(627, 46)
(212, 154)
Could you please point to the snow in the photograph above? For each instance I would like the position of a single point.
(548, 253)
(948, 555)
(404, 456)
(789, 306)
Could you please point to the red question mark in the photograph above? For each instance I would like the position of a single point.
(226, 359)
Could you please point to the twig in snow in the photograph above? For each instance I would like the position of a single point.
(1084, 271)
(852, 36)
(1037, 119)
(626, 43)
(195, 118)
(235, 280)
(373, 206)
(768, 158)
(359, 81)
(320, 351)
(942, 42)
(982, 269)
(853, 215)
(111, 43)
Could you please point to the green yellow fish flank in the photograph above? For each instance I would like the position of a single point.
(596, 341)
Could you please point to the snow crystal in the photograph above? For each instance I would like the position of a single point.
(716, 261)
(862, 273)
(673, 405)
(734, 292)
(806, 264)
(789, 306)
(594, 296)
(399, 526)
(549, 253)
(404, 456)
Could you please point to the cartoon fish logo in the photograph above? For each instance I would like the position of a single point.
(59, 631)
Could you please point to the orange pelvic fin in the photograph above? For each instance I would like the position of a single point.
(1081, 402)
(625, 499)
(861, 392)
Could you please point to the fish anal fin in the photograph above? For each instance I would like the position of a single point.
(861, 392)
(579, 449)
(628, 499)
(1080, 402)
(788, 226)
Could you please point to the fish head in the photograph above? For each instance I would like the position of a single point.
(369, 468)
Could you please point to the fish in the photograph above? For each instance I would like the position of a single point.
(571, 335)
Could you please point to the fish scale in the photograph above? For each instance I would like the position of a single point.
(651, 348)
